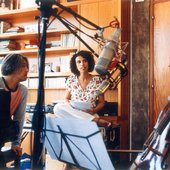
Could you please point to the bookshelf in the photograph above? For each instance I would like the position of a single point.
(95, 11)
(50, 33)
(57, 51)
(57, 33)
(34, 51)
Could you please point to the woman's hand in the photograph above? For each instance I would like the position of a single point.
(91, 111)
(67, 101)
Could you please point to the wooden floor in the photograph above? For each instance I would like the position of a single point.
(120, 161)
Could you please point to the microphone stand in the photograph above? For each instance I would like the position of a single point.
(69, 10)
(38, 118)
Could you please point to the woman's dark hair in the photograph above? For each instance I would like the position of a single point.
(85, 54)
(12, 63)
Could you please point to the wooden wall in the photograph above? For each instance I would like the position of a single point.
(102, 12)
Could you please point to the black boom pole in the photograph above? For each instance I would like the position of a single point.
(46, 10)
(38, 118)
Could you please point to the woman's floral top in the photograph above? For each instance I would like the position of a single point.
(86, 95)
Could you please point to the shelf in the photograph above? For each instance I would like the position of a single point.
(28, 12)
(55, 88)
(23, 17)
(26, 35)
(51, 75)
(19, 13)
(48, 50)
(48, 88)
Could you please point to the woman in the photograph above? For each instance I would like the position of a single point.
(82, 86)
(14, 70)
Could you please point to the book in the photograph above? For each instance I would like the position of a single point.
(68, 40)
(7, 45)
(33, 28)
(15, 30)
(6, 42)
(29, 46)
(4, 26)
(33, 83)
(65, 64)
(55, 43)
(71, 40)
(55, 82)
(10, 45)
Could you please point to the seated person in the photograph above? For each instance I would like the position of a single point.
(82, 86)
(14, 70)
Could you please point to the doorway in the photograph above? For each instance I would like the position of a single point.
(160, 58)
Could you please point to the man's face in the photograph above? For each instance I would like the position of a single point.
(22, 72)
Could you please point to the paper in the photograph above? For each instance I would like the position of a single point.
(77, 142)
(81, 105)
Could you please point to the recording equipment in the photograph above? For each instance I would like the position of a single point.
(109, 51)
(112, 61)
(114, 77)
(46, 108)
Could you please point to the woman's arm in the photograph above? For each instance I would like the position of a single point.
(67, 96)
(100, 104)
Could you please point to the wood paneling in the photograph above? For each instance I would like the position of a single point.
(161, 58)
(107, 11)
(89, 11)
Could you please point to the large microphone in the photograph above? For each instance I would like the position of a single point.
(108, 52)
(113, 77)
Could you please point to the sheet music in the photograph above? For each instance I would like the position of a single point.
(80, 105)
(82, 142)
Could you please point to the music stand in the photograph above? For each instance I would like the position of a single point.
(77, 142)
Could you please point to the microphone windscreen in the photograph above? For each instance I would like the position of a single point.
(104, 60)
(107, 53)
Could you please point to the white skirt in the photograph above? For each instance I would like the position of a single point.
(65, 110)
